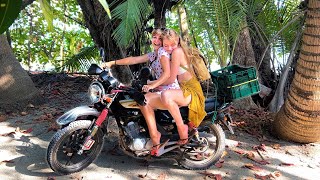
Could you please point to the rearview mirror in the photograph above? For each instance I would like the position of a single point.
(101, 52)
(94, 69)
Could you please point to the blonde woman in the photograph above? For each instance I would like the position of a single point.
(190, 93)
(160, 63)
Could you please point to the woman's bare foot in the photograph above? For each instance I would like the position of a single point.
(156, 144)
(183, 134)
(156, 139)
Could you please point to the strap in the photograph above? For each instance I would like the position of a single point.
(187, 69)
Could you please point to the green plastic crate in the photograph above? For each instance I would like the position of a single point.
(235, 82)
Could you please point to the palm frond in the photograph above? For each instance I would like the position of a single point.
(82, 60)
(106, 7)
(226, 18)
(132, 13)
(273, 16)
(47, 13)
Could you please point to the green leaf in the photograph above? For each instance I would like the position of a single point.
(47, 13)
(9, 11)
(132, 14)
(82, 60)
(106, 7)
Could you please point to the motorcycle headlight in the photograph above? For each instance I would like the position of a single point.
(96, 92)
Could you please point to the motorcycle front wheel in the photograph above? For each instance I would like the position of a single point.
(212, 140)
(62, 152)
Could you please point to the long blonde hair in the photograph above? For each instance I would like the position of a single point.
(156, 31)
(173, 36)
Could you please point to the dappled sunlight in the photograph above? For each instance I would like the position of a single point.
(7, 79)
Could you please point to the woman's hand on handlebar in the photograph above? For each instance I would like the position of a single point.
(107, 64)
(146, 88)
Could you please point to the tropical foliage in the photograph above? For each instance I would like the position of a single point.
(215, 27)
(132, 14)
(9, 10)
(34, 44)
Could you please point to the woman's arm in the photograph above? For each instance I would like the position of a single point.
(165, 64)
(127, 61)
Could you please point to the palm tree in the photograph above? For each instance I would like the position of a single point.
(15, 83)
(299, 118)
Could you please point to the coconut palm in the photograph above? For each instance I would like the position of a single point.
(299, 118)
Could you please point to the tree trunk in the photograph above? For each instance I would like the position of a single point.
(16, 86)
(183, 23)
(160, 8)
(299, 118)
(244, 56)
(243, 51)
(278, 98)
(101, 28)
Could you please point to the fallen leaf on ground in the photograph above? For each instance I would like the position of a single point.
(288, 152)
(252, 167)
(142, 176)
(2, 118)
(42, 118)
(30, 106)
(224, 154)
(53, 127)
(261, 147)
(276, 174)
(55, 92)
(239, 151)
(211, 175)
(219, 163)
(263, 162)
(275, 146)
(23, 113)
(77, 177)
(7, 134)
(7, 161)
(27, 131)
(162, 176)
(250, 155)
(272, 175)
(286, 164)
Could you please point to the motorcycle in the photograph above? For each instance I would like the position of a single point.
(80, 139)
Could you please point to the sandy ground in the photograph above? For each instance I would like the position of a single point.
(25, 135)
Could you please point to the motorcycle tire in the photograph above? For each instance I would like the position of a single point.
(62, 152)
(204, 157)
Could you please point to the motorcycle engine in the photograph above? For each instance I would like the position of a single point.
(138, 142)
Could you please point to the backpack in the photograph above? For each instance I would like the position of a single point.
(199, 65)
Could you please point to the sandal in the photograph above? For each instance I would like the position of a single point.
(187, 140)
(157, 150)
(183, 141)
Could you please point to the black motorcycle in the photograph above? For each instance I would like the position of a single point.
(80, 140)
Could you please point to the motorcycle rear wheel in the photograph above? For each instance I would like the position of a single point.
(62, 154)
(201, 158)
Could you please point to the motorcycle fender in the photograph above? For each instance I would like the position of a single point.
(74, 113)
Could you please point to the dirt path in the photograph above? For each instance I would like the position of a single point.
(250, 154)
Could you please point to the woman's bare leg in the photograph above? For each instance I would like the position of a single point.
(153, 102)
(149, 116)
(172, 99)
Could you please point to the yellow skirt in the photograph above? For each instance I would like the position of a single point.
(197, 104)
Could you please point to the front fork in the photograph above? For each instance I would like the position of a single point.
(87, 144)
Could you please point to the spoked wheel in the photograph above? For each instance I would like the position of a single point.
(62, 153)
(203, 154)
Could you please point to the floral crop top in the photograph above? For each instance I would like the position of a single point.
(156, 66)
